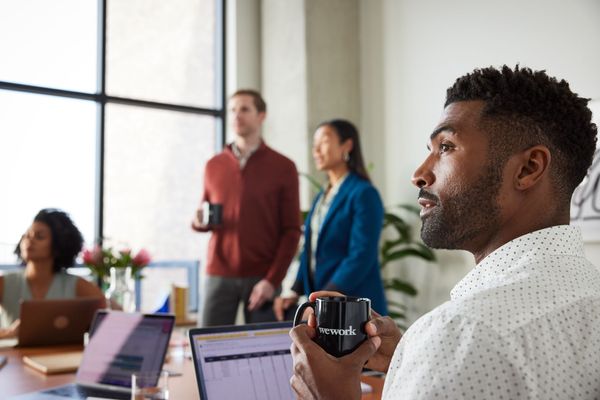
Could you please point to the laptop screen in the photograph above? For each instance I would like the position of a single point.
(123, 343)
(243, 362)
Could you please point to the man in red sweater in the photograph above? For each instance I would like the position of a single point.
(251, 249)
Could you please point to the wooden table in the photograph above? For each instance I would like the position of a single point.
(17, 378)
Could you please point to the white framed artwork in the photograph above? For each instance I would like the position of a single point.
(585, 203)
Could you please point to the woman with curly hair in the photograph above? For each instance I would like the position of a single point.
(48, 247)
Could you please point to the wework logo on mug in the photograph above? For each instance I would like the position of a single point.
(339, 332)
(340, 322)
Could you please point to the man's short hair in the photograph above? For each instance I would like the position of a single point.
(259, 102)
(524, 108)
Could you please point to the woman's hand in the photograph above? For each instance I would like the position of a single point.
(12, 331)
(281, 304)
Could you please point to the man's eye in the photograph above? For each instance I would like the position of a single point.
(444, 147)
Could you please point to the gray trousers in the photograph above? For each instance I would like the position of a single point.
(222, 297)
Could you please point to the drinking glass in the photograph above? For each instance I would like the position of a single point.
(150, 385)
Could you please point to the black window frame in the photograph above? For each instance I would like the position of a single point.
(101, 99)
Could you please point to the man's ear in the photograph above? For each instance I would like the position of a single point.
(533, 164)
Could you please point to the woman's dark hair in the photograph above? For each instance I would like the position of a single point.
(66, 238)
(346, 130)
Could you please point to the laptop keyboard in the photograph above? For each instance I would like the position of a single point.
(82, 392)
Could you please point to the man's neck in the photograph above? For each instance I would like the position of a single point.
(519, 226)
(247, 143)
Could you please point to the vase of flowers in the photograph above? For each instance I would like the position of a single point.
(122, 268)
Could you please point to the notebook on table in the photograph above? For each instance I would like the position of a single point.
(243, 361)
(120, 344)
(55, 322)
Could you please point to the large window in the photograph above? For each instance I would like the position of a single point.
(109, 110)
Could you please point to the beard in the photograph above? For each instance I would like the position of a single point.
(469, 212)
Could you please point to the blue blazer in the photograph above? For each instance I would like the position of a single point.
(347, 253)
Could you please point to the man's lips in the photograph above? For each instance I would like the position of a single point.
(426, 206)
(427, 202)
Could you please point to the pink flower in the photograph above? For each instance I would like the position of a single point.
(142, 258)
(125, 251)
(93, 257)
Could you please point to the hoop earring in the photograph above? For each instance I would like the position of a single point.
(346, 157)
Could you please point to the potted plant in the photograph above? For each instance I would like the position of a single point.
(398, 243)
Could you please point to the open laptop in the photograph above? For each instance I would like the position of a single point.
(120, 344)
(243, 361)
(54, 322)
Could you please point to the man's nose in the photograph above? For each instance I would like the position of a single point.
(423, 175)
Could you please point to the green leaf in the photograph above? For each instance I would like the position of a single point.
(410, 207)
(400, 286)
(303, 215)
(396, 304)
(408, 252)
(428, 254)
(395, 221)
(396, 315)
(401, 326)
(388, 245)
(313, 181)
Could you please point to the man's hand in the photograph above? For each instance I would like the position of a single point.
(318, 375)
(197, 220)
(261, 292)
(280, 304)
(386, 329)
(383, 327)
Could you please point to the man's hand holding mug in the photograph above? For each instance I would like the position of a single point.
(317, 374)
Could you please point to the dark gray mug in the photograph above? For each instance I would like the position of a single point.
(340, 322)
(212, 213)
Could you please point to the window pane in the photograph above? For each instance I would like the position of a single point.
(49, 43)
(154, 165)
(162, 51)
(47, 159)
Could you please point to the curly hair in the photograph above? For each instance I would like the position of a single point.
(67, 241)
(524, 108)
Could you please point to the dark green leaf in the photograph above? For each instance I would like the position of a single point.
(396, 315)
(408, 252)
(400, 286)
(313, 181)
(396, 304)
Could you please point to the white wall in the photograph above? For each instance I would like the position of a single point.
(410, 52)
(413, 50)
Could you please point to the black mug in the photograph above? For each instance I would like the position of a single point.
(212, 213)
(340, 322)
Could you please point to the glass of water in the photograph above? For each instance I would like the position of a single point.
(150, 385)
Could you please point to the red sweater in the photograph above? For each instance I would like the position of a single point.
(261, 214)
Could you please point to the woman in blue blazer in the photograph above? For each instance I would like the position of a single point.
(342, 229)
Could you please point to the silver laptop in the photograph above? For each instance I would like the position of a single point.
(243, 362)
(54, 322)
(120, 344)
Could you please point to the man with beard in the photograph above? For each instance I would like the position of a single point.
(511, 147)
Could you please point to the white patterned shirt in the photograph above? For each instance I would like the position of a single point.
(523, 324)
